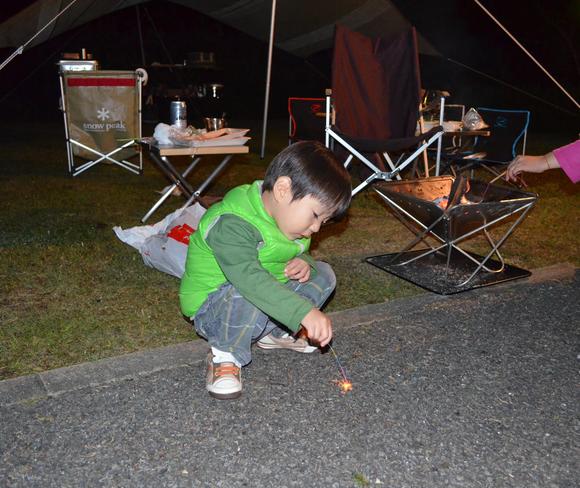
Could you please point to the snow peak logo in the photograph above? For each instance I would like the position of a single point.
(104, 115)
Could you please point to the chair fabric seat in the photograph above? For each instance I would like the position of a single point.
(376, 90)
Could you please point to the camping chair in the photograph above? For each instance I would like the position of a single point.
(102, 118)
(454, 112)
(433, 112)
(449, 115)
(375, 99)
(509, 129)
(306, 119)
(452, 122)
(451, 211)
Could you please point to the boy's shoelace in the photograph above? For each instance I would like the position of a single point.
(226, 370)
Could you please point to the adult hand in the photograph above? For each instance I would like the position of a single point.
(526, 164)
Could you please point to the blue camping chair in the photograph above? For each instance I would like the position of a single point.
(509, 129)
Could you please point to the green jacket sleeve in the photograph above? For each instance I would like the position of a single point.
(234, 243)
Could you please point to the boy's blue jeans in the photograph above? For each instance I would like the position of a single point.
(231, 324)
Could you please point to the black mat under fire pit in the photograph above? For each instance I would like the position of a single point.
(430, 272)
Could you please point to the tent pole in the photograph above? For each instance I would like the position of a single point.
(140, 35)
(268, 74)
(529, 54)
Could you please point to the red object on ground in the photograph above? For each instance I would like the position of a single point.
(181, 233)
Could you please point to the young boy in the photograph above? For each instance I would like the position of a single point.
(248, 277)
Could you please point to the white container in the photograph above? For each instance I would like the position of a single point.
(78, 65)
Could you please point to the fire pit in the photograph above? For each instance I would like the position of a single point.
(452, 210)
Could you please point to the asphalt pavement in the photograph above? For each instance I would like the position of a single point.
(478, 389)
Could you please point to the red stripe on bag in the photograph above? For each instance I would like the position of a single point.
(181, 233)
(100, 82)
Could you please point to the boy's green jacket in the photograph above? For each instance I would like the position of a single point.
(203, 275)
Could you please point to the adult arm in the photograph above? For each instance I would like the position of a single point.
(566, 157)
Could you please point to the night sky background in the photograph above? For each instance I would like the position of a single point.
(458, 29)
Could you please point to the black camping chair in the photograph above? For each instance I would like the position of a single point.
(306, 119)
(375, 103)
(508, 134)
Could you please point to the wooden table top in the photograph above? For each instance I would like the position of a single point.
(472, 133)
(169, 150)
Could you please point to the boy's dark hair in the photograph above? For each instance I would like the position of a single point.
(314, 170)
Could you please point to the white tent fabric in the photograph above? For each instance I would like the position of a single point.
(303, 27)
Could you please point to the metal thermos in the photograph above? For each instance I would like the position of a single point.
(178, 114)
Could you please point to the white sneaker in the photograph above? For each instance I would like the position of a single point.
(286, 342)
(224, 380)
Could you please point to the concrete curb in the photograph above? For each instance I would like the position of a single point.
(110, 370)
(97, 373)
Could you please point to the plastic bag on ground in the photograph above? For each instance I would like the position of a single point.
(163, 245)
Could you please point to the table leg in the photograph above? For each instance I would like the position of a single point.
(209, 179)
(167, 168)
(174, 176)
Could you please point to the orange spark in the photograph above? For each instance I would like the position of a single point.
(344, 385)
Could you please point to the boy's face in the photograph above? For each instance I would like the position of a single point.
(301, 218)
(298, 218)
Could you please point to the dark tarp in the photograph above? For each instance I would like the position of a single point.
(303, 27)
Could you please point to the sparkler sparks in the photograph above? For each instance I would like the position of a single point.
(344, 384)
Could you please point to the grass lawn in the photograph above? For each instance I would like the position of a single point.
(71, 292)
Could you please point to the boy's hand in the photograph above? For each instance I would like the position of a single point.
(318, 326)
(297, 269)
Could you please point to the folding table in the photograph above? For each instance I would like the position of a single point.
(462, 140)
(161, 154)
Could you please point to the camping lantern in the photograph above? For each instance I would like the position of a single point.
(82, 61)
(78, 65)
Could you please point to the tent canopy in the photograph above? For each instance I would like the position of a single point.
(303, 27)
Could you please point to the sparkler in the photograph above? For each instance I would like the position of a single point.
(344, 384)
